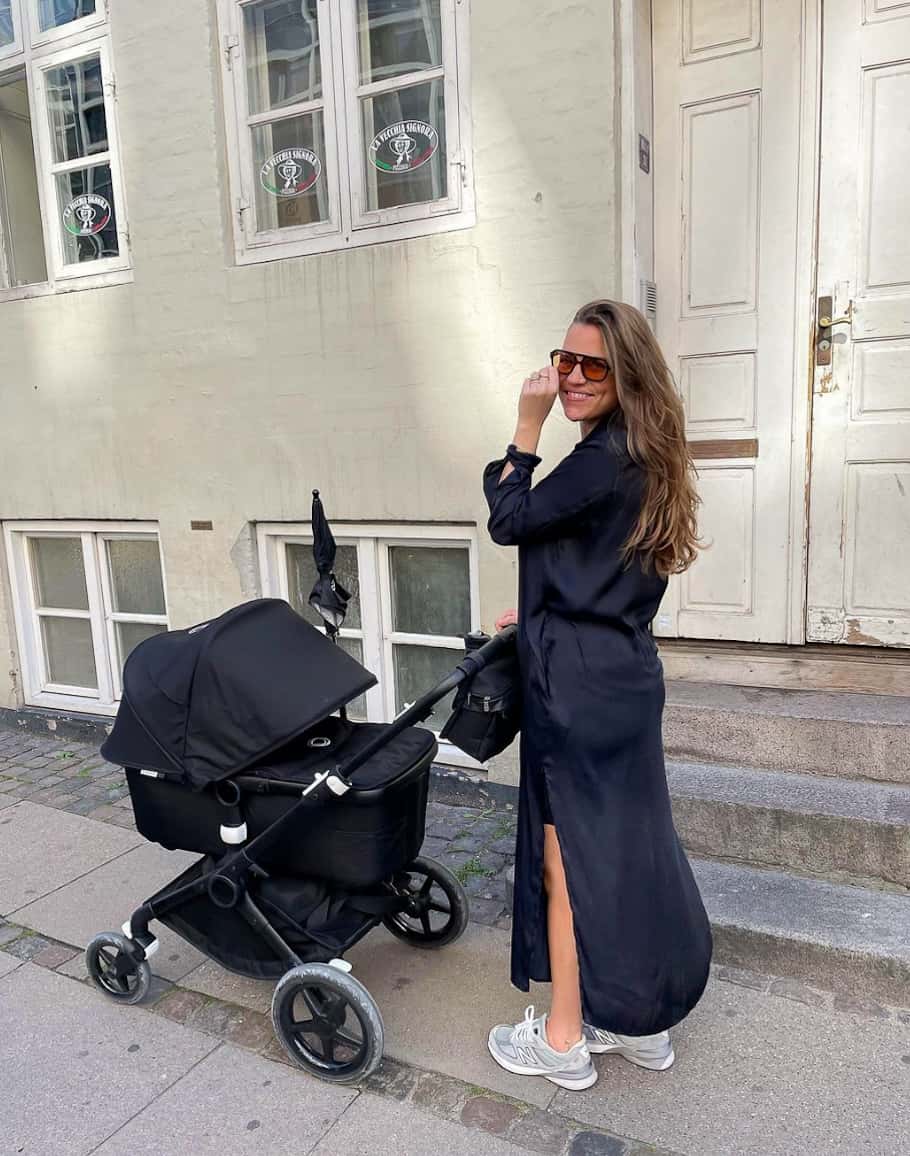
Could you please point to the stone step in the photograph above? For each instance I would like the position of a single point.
(855, 736)
(805, 823)
(833, 935)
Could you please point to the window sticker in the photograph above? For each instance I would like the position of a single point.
(290, 172)
(404, 146)
(87, 215)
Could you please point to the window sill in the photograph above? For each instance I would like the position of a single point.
(356, 239)
(70, 285)
(71, 704)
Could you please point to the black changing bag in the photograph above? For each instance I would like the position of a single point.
(486, 713)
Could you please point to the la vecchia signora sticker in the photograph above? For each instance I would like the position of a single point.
(87, 215)
(404, 146)
(290, 172)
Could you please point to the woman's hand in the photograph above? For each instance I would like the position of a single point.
(535, 402)
(510, 618)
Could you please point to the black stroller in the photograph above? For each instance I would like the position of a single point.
(309, 825)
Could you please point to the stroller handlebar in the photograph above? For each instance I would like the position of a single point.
(473, 662)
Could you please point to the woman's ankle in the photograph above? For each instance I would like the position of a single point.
(562, 1037)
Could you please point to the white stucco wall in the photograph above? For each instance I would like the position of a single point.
(387, 376)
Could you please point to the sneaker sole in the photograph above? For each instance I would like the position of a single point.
(656, 1065)
(566, 1082)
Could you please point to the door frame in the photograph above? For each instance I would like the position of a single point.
(629, 273)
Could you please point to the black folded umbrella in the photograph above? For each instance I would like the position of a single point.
(328, 597)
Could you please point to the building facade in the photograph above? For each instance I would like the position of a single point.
(249, 248)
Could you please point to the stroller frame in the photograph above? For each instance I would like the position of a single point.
(126, 976)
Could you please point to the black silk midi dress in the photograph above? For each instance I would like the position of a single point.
(591, 748)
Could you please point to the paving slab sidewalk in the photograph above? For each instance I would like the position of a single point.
(764, 1066)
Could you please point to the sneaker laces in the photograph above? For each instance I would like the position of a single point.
(525, 1031)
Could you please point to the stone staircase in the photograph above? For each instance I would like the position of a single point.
(795, 808)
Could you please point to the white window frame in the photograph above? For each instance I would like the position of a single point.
(349, 225)
(64, 31)
(372, 542)
(15, 47)
(38, 691)
(36, 53)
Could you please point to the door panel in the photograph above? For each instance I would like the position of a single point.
(859, 527)
(727, 89)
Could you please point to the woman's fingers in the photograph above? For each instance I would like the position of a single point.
(510, 618)
(538, 394)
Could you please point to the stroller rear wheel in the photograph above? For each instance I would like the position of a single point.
(328, 1023)
(110, 963)
(435, 905)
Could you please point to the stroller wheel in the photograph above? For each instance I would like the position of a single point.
(328, 1023)
(434, 905)
(113, 969)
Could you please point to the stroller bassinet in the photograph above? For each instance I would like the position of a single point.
(309, 825)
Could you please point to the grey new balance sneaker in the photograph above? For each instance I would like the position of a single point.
(652, 1052)
(525, 1050)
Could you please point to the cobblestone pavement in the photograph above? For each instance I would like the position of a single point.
(478, 845)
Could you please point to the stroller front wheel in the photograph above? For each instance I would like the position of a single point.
(112, 968)
(328, 1023)
(434, 910)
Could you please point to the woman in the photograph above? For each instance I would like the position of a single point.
(605, 906)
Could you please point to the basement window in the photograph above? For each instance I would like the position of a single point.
(84, 596)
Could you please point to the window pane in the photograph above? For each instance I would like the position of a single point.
(135, 569)
(85, 198)
(53, 13)
(68, 653)
(289, 156)
(59, 573)
(405, 140)
(6, 23)
(431, 590)
(417, 670)
(281, 43)
(357, 710)
(398, 37)
(75, 102)
(130, 634)
(22, 260)
(302, 578)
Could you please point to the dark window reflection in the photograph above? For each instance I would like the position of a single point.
(53, 13)
(398, 37)
(75, 96)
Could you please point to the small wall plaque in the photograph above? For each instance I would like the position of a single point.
(201, 525)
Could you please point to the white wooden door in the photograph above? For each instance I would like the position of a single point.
(859, 526)
(727, 89)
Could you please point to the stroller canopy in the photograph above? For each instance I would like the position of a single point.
(215, 699)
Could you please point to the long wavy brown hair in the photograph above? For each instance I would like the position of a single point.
(665, 536)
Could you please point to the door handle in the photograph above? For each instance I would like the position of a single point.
(825, 322)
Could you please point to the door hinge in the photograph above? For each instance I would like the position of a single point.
(231, 45)
(242, 206)
(111, 87)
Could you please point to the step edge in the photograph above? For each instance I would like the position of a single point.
(840, 788)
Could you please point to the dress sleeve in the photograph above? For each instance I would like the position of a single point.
(582, 480)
